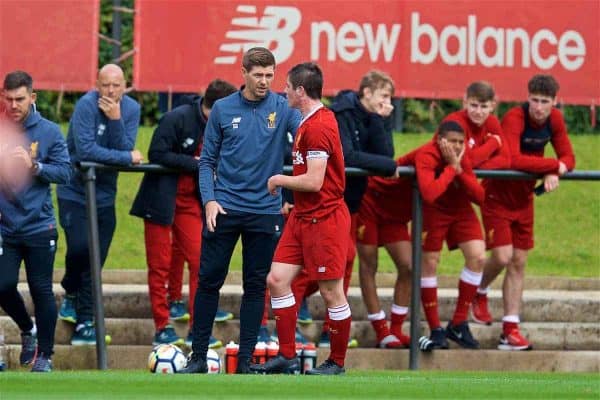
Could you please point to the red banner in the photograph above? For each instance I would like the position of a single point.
(56, 41)
(432, 49)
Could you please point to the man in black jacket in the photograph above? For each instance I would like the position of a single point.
(170, 203)
(366, 133)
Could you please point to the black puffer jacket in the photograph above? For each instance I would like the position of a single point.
(367, 143)
(174, 142)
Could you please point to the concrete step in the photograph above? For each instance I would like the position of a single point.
(140, 276)
(135, 357)
(132, 301)
(544, 335)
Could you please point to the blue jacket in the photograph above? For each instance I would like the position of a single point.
(94, 137)
(244, 145)
(30, 211)
(367, 143)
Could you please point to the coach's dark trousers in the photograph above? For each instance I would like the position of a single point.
(38, 251)
(78, 278)
(258, 234)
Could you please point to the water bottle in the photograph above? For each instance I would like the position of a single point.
(309, 357)
(260, 353)
(3, 360)
(272, 350)
(231, 357)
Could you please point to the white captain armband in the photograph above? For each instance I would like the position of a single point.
(316, 154)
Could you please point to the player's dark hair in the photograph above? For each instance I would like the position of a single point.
(545, 85)
(449, 126)
(309, 76)
(17, 79)
(216, 90)
(375, 80)
(481, 90)
(258, 57)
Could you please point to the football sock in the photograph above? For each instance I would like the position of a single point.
(340, 319)
(467, 287)
(429, 301)
(285, 312)
(510, 322)
(379, 324)
(399, 314)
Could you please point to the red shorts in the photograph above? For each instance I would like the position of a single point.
(383, 219)
(504, 226)
(320, 245)
(458, 227)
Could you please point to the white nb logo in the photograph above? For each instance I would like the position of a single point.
(235, 122)
(276, 26)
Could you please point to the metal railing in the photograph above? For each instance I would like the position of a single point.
(89, 173)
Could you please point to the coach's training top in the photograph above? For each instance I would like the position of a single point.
(244, 145)
(30, 210)
(94, 137)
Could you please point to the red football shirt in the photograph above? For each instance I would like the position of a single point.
(517, 193)
(484, 151)
(439, 184)
(318, 137)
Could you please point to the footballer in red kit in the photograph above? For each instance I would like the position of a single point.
(508, 208)
(315, 238)
(448, 186)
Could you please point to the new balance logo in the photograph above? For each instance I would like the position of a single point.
(274, 29)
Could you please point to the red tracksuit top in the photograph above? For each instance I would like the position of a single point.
(439, 184)
(515, 194)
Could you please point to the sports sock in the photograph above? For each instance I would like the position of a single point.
(285, 312)
(398, 316)
(509, 323)
(340, 319)
(379, 325)
(429, 301)
(467, 287)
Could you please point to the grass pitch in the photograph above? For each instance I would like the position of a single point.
(354, 385)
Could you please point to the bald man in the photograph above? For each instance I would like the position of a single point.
(103, 129)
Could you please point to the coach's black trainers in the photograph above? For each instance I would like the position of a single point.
(329, 367)
(195, 365)
(461, 334)
(277, 365)
(28, 348)
(243, 367)
(435, 341)
(42, 363)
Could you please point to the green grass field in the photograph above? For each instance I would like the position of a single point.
(355, 385)
(567, 222)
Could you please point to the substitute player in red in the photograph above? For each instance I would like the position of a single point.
(383, 217)
(316, 236)
(448, 186)
(484, 137)
(508, 208)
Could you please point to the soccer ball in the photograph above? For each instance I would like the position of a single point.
(166, 359)
(213, 362)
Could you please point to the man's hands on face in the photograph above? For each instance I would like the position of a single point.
(111, 108)
(450, 155)
(384, 109)
(136, 157)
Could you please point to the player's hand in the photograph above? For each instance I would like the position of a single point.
(384, 109)
(562, 168)
(212, 209)
(286, 208)
(496, 137)
(550, 182)
(110, 107)
(136, 157)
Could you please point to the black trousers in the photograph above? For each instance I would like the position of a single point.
(259, 234)
(38, 252)
(78, 275)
